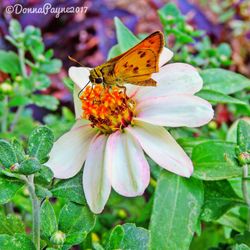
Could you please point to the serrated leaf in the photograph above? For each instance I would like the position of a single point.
(215, 160)
(40, 143)
(224, 81)
(7, 154)
(51, 67)
(70, 189)
(219, 198)
(176, 210)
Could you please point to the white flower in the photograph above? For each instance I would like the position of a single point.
(113, 147)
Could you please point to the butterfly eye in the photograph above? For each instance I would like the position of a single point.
(98, 80)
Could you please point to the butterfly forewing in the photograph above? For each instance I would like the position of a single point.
(137, 64)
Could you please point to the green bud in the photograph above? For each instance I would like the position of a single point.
(27, 167)
(41, 58)
(244, 158)
(122, 213)
(189, 28)
(223, 58)
(18, 79)
(58, 238)
(212, 125)
(6, 88)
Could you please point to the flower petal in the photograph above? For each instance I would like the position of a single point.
(162, 148)
(79, 75)
(70, 151)
(128, 169)
(77, 102)
(165, 56)
(96, 183)
(175, 111)
(174, 78)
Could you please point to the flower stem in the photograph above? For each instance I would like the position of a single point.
(5, 115)
(16, 118)
(245, 192)
(22, 63)
(35, 210)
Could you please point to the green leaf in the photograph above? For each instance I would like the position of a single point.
(176, 209)
(9, 63)
(51, 67)
(126, 39)
(8, 188)
(114, 51)
(29, 166)
(48, 219)
(241, 247)
(70, 189)
(224, 81)
(11, 224)
(219, 198)
(135, 237)
(7, 154)
(217, 97)
(232, 220)
(18, 148)
(42, 192)
(15, 28)
(44, 176)
(40, 143)
(45, 101)
(243, 238)
(19, 100)
(215, 160)
(42, 82)
(243, 136)
(115, 238)
(168, 10)
(75, 219)
(18, 241)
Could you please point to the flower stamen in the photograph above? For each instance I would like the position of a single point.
(108, 109)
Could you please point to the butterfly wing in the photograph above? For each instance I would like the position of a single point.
(137, 65)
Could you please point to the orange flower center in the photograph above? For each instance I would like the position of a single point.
(108, 110)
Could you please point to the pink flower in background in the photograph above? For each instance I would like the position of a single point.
(114, 129)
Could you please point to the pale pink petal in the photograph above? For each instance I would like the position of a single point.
(160, 146)
(70, 151)
(79, 75)
(80, 122)
(96, 184)
(77, 102)
(128, 169)
(175, 111)
(165, 56)
(174, 78)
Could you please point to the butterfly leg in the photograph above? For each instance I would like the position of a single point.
(122, 87)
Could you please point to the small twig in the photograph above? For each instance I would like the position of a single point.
(16, 118)
(5, 115)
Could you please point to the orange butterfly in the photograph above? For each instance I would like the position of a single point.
(134, 66)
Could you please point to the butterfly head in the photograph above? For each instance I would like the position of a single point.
(95, 77)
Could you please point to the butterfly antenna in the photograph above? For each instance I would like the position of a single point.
(74, 60)
(79, 94)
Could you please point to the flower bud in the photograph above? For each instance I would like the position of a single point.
(122, 213)
(244, 158)
(212, 125)
(18, 79)
(41, 58)
(58, 238)
(6, 88)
